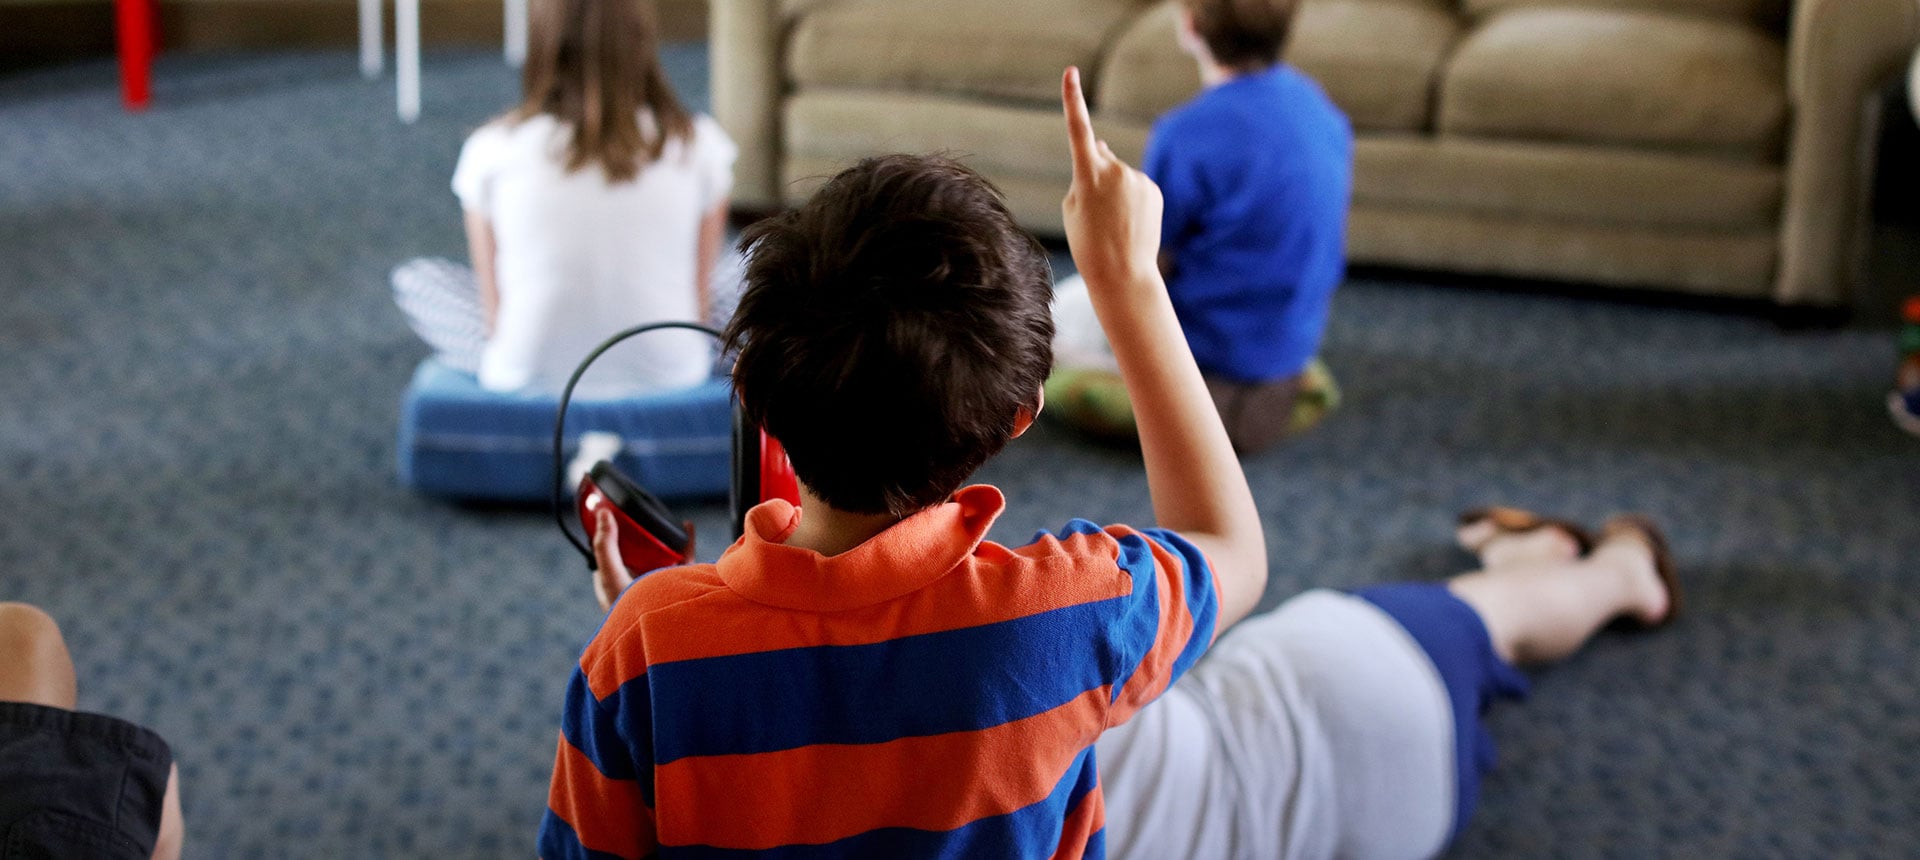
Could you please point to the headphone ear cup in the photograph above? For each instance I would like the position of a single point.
(744, 491)
(777, 480)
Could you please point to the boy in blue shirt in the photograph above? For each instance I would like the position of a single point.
(1256, 171)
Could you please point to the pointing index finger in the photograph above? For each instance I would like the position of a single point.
(1079, 124)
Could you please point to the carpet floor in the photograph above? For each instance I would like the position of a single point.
(200, 366)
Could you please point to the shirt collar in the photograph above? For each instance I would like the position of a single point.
(906, 557)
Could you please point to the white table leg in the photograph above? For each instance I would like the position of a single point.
(516, 18)
(371, 54)
(406, 57)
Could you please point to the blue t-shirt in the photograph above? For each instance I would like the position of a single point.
(1257, 173)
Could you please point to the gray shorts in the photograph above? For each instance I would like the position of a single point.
(1321, 729)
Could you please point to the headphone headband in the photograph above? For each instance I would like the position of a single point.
(560, 420)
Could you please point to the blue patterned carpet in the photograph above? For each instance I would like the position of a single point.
(199, 368)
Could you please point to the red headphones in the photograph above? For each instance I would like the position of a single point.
(648, 534)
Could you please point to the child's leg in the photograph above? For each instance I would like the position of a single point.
(37, 670)
(1261, 415)
(173, 826)
(1256, 415)
(36, 667)
(442, 304)
(1544, 611)
(1503, 537)
(1531, 609)
(1471, 673)
(1309, 726)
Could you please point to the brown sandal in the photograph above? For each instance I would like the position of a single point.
(1514, 521)
(1662, 559)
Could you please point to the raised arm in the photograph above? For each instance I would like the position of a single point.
(1112, 215)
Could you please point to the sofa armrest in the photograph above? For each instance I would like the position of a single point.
(744, 55)
(1839, 54)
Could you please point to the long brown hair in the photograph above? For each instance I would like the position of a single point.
(594, 64)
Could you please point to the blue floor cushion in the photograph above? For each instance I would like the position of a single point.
(458, 440)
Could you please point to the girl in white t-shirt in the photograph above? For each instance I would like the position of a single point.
(597, 204)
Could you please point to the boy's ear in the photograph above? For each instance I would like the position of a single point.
(1024, 418)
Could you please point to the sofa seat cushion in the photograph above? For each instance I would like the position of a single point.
(1619, 77)
(1377, 60)
(1738, 264)
(996, 49)
(1566, 183)
(1766, 13)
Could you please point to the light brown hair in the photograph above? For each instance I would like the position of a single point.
(594, 64)
(1243, 35)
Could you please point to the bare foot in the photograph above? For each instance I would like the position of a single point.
(1632, 546)
(1510, 537)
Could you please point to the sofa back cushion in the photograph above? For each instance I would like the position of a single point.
(996, 49)
(1377, 59)
(1591, 76)
(1771, 14)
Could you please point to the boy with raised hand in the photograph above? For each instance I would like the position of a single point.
(866, 676)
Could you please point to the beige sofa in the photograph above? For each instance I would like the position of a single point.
(1713, 146)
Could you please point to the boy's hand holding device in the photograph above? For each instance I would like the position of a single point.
(610, 576)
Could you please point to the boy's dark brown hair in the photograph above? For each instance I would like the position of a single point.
(1244, 35)
(891, 330)
(593, 64)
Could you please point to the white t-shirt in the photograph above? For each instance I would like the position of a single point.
(578, 258)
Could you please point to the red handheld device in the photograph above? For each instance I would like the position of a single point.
(649, 536)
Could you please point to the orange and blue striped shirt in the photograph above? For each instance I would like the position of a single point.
(927, 693)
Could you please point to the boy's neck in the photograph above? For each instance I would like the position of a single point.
(830, 531)
(1213, 74)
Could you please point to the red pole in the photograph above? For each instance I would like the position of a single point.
(137, 37)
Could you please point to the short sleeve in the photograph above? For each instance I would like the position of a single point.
(713, 156)
(479, 163)
(1150, 636)
(1171, 166)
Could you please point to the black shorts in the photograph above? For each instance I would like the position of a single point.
(76, 785)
